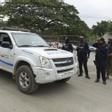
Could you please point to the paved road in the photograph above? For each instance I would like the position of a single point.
(78, 95)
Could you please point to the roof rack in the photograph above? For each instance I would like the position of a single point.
(14, 29)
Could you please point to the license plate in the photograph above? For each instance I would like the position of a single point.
(67, 74)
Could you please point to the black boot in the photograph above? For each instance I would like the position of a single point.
(87, 77)
(96, 80)
(80, 75)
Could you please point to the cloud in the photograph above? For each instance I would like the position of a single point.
(92, 11)
(1, 1)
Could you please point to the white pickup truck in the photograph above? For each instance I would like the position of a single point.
(32, 62)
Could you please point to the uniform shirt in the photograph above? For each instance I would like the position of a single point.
(101, 54)
(83, 51)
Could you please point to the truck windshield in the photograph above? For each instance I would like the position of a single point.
(29, 40)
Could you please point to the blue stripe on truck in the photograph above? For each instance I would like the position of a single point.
(6, 63)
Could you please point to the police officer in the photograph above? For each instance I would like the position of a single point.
(109, 59)
(101, 60)
(67, 45)
(83, 53)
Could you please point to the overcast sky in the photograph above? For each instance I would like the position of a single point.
(1, 0)
(92, 11)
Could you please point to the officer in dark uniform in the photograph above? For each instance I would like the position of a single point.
(101, 59)
(109, 59)
(67, 45)
(83, 53)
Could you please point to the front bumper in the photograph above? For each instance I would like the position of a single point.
(50, 75)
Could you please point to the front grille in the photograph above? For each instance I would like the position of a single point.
(63, 62)
(61, 71)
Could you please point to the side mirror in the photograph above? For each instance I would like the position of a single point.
(6, 45)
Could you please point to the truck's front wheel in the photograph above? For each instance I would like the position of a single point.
(25, 80)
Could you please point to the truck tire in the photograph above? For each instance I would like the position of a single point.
(64, 80)
(25, 80)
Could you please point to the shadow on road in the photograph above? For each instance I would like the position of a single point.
(53, 88)
(45, 89)
(6, 76)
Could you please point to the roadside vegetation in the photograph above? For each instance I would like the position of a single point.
(45, 17)
(102, 27)
(50, 17)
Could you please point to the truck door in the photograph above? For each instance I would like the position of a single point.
(6, 52)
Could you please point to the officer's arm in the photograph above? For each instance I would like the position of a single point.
(87, 49)
(95, 45)
(71, 47)
(77, 48)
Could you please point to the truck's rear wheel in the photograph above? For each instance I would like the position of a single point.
(25, 80)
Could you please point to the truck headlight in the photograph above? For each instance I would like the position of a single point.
(45, 63)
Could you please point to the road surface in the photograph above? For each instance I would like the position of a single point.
(78, 95)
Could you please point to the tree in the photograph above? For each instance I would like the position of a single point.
(103, 27)
(45, 16)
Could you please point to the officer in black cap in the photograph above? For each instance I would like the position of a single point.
(101, 60)
(83, 53)
(67, 45)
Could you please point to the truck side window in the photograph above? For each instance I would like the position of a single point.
(5, 38)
